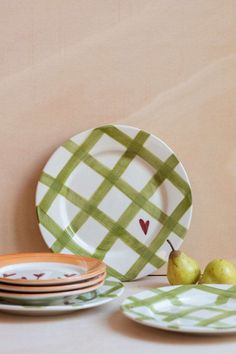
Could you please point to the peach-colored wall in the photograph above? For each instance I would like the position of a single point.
(167, 66)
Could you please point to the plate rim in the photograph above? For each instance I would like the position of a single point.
(180, 329)
(7, 259)
(50, 295)
(99, 300)
(165, 146)
(51, 288)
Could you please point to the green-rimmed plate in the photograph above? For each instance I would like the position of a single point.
(115, 193)
(111, 289)
(203, 309)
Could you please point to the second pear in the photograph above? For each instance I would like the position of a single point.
(181, 268)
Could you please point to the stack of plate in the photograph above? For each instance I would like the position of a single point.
(45, 278)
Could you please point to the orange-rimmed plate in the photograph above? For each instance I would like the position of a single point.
(48, 268)
(54, 288)
(46, 298)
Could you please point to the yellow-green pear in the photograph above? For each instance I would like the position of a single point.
(181, 268)
(219, 271)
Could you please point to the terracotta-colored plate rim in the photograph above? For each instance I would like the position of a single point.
(95, 266)
(44, 296)
(47, 288)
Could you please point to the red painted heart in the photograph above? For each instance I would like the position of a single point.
(144, 225)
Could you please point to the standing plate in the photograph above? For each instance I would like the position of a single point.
(200, 309)
(115, 193)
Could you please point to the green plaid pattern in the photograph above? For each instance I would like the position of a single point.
(79, 152)
(195, 308)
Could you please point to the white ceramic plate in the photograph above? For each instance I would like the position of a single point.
(115, 193)
(199, 309)
(45, 298)
(55, 288)
(108, 292)
(47, 268)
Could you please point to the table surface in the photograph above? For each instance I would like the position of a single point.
(103, 329)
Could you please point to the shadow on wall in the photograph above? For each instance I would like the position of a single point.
(27, 234)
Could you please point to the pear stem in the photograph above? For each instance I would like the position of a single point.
(171, 245)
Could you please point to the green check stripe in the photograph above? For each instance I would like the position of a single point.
(214, 319)
(106, 185)
(190, 311)
(64, 237)
(91, 140)
(113, 178)
(149, 157)
(130, 213)
(224, 297)
(162, 236)
(139, 316)
(222, 294)
(153, 298)
(140, 199)
(73, 247)
(212, 313)
(109, 292)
